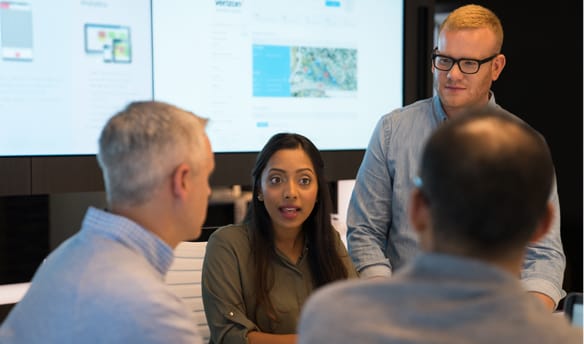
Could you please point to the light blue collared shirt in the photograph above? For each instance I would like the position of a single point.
(105, 284)
(379, 236)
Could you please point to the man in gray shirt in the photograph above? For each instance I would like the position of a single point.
(480, 196)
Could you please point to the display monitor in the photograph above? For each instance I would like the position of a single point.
(65, 68)
(327, 69)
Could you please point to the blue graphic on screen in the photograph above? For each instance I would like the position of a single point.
(298, 71)
(16, 31)
(271, 71)
(331, 3)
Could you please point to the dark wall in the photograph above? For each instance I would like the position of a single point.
(541, 84)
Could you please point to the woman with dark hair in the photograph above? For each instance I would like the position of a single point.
(258, 274)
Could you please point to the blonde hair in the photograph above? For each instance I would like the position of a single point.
(474, 17)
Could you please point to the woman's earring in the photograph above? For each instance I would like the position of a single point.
(260, 197)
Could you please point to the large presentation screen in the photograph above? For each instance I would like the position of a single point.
(65, 67)
(325, 68)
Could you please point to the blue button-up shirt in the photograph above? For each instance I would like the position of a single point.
(105, 284)
(379, 236)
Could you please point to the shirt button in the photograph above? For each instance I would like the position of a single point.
(230, 314)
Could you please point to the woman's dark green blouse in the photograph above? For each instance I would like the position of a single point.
(228, 287)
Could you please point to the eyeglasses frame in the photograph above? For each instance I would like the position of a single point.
(457, 61)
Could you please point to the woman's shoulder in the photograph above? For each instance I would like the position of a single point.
(233, 233)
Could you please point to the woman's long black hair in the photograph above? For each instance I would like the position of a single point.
(320, 236)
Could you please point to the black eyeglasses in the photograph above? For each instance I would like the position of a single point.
(467, 66)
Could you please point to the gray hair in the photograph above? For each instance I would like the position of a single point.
(141, 145)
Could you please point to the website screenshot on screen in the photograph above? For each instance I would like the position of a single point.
(327, 69)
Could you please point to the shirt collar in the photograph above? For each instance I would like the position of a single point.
(130, 234)
(441, 114)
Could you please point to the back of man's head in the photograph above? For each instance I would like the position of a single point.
(141, 145)
(487, 177)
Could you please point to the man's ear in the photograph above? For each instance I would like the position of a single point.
(419, 215)
(180, 180)
(419, 211)
(544, 224)
(498, 65)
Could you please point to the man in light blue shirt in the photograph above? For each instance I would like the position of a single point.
(105, 284)
(465, 63)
